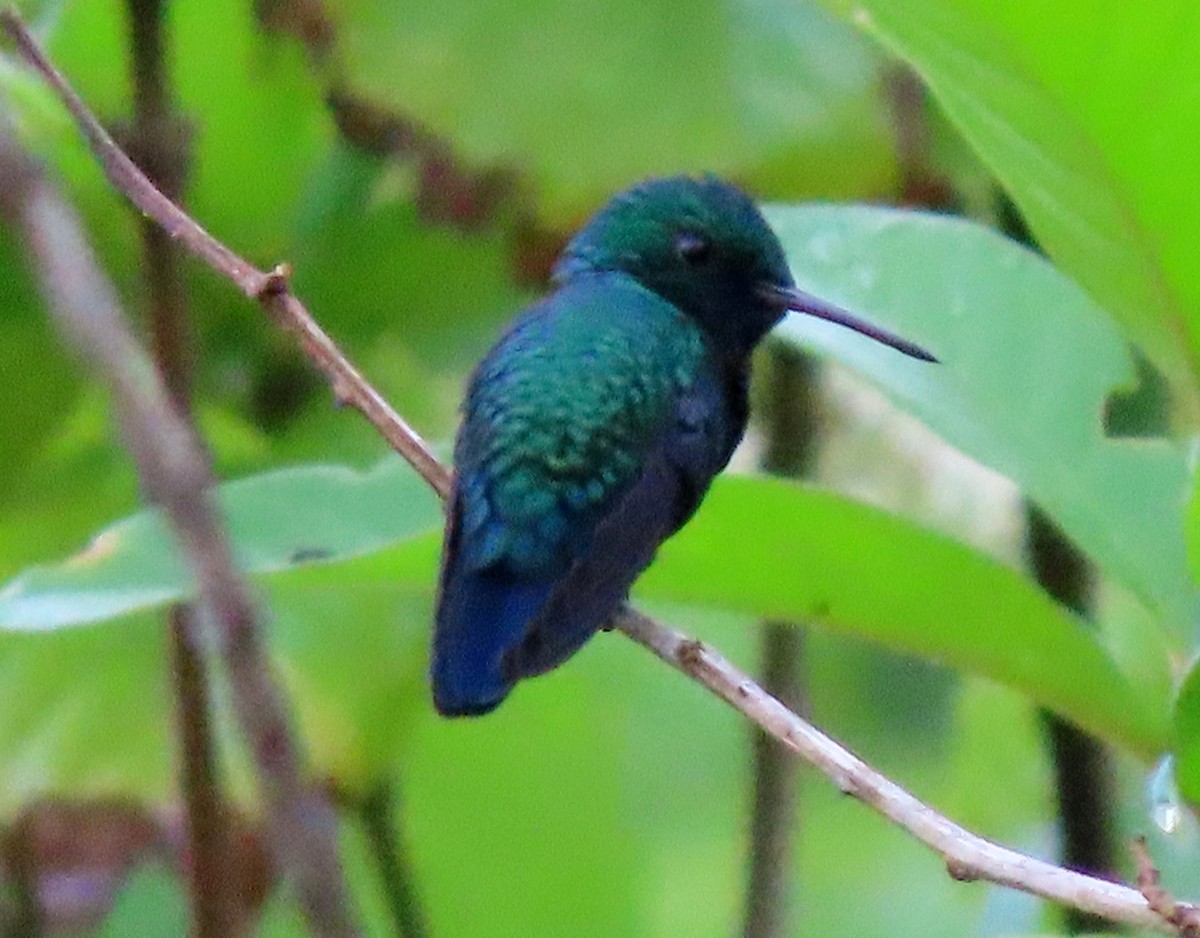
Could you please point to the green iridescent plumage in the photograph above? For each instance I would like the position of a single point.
(566, 407)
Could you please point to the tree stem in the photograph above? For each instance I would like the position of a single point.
(377, 813)
(1083, 773)
(791, 425)
(774, 825)
(158, 144)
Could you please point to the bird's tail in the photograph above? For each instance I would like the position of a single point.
(481, 617)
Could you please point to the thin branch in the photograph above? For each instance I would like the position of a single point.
(211, 886)
(22, 914)
(774, 825)
(968, 856)
(1084, 777)
(174, 475)
(1185, 918)
(791, 424)
(268, 288)
(159, 141)
(377, 814)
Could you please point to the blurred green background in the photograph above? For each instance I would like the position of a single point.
(420, 165)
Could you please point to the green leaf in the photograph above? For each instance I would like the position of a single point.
(555, 769)
(1187, 703)
(87, 708)
(277, 521)
(813, 556)
(86, 714)
(584, 98)
(1027, 361)
(784, 551)
(39, 381)
(354, 658)
(1187, 737)
(1193, 530)
(1086, 113)
(85, 705)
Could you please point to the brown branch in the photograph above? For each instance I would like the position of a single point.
(212, 888)
(268, 288)
(791, 423)
(158, 142)
(1084, 782)
(968, 857)
(1182, 917)
(22, 912)
(774, 814)
(174, 474)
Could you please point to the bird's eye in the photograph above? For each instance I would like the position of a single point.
(692, 248)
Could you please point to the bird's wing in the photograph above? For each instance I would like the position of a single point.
(584, 444)
(673, 477)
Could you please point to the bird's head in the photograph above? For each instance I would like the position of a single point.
(702, 245)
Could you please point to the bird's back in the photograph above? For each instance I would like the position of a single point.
(561, 421)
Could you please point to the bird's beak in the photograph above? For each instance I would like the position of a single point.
(801, 302)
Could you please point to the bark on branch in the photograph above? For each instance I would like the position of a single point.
(175, 475)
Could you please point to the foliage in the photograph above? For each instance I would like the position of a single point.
(1085, 151)
(606, 798)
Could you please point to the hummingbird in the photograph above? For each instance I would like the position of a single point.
(592, 429)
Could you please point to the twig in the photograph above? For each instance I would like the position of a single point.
(158, 141)
(1084, 783)
(211, 886)
(21, 912)
(791, 424)
(774, 812)
(1182, 917)
(377, 814)
(174, 475)
(268, 288)
(968, 856)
